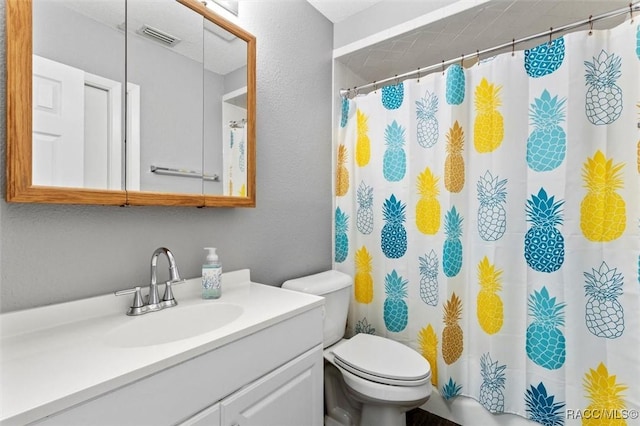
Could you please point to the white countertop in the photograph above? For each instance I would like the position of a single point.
(54, 357)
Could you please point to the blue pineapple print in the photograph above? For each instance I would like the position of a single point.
(396, 311)
(363, 326)
(345, 112)
(604, 315)
(544, 58)
(394, 161)
(393, 95)
(638, 41)
(231, 139)
(451, 389)
(541, 407)
(452, 249)
(546, 345)
(603, 103)
(455, 85)
(547, 144)
(492, 215)
(241, 157)
(426, 109)
(342, 241)
(493, 381)
(393, 239)
(543, 242)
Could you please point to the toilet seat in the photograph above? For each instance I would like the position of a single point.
(382, 361)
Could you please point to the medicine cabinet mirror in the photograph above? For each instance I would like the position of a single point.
(157, 110)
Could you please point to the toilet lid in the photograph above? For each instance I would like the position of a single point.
(382, 360)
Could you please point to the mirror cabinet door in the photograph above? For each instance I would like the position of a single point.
(157, 110)
(78, 79)
(225, 102)
(165, 68)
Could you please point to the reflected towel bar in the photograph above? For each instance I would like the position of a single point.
(183, 173)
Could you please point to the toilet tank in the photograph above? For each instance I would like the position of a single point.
(335, 287)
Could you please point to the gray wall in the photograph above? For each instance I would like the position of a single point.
(55, 253)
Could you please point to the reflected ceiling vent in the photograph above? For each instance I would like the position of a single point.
(158, 35)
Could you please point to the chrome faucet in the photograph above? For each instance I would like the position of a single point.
(138, 307)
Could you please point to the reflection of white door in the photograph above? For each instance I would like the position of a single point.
(58, 124)
(77, 130)
(102, 133)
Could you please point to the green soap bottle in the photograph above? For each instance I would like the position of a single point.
(211, 275)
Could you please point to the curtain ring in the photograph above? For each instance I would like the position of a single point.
(418, 75)
(443, 67)
(550, 34)
(478, 56)
(631, 11)
(375, 87)
(396, 80)
(590, 25)
(462, 61)
(513, 47)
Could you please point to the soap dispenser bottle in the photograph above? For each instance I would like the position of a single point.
(211, 275)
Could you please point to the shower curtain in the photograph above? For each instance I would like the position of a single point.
(235, 157)
(490, 218)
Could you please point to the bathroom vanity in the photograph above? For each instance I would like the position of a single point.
(254, 356)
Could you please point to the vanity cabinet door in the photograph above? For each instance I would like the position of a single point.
(288, 396)
(207, 417)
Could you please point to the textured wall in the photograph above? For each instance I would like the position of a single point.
(55, 253)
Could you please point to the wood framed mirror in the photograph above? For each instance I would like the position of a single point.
(224, 175)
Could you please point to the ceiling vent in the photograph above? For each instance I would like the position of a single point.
(158, 35)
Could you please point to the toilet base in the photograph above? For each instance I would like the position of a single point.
(383, 415)
(347, 407)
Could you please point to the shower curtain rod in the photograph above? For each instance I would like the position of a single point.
(629, 9)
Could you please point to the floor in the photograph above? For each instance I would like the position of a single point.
(420, 417)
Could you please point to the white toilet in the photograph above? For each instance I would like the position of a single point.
(368, 380)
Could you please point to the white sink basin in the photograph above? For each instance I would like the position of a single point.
(172, 324)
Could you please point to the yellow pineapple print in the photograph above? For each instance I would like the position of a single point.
(428, 206)
(363, 145)
(454, 164)
(452, 333)
(638, 154)
(490, 308)
(342, 174)
(488, 129)
(429, 348)
(243, 190)
(603, 214)
(606, 404)
(363, 280)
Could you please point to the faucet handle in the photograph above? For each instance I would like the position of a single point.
(168, 293)
(137, 306)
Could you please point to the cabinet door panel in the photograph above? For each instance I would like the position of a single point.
(288, 396)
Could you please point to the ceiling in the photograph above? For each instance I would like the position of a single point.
(474, 29)
(339, 10)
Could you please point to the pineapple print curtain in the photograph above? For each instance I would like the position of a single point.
(235, 175)
(490, 219)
